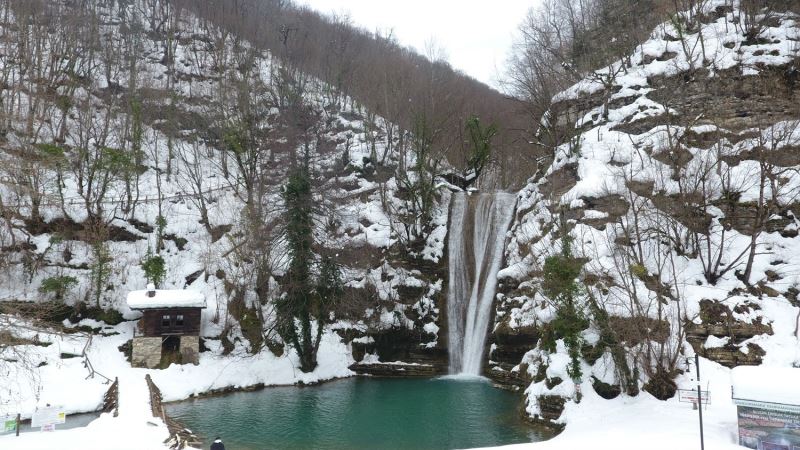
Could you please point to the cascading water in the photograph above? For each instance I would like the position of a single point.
(478, 225)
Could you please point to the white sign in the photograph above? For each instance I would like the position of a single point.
(51, 415)
(690, 396)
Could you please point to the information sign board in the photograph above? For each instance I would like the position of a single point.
(690, 396)
(9, 424)
(51, 415)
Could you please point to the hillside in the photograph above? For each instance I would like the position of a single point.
(332, 202)
(174, 139)
(672, 200)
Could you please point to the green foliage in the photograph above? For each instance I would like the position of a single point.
(58, 286)
(51, 151)
(639, 271)
(296, 304)
(560, 273)
(297, 195)
(109, 316)
(64, 102)
(137, 130)
(304, 297)
(117, 160)
(561, 287)
(329, 283)
(154, 268)
(161, 225)
(234, 139)
(252, 328)
(481, 141)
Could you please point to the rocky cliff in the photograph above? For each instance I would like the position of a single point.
(675, 188)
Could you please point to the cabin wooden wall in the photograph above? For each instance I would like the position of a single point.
(151, 322)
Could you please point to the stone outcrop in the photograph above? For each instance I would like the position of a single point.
(551, 407)
(718, 320)
(397, 369)
(737, 102)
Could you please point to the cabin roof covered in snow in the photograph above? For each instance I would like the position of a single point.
(167, 298)
(766, 384)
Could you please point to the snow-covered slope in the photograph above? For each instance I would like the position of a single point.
(166, 82)
(678, 186)
(139, 133)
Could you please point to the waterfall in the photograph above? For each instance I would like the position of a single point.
(478, 225)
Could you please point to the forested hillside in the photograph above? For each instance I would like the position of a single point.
(142, 142)
(335, 204)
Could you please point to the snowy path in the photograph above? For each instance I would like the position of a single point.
(134, 429)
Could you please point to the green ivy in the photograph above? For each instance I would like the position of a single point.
(560, 284)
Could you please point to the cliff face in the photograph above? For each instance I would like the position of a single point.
(677, 186)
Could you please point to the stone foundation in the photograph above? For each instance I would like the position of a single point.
(146, 352)
(190, 349)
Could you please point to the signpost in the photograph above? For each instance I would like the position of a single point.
(700, 397)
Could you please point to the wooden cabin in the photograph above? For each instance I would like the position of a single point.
(170, 326)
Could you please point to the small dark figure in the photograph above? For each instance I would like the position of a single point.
(217, 444)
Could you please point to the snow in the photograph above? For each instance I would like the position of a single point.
(166, 298)
(605, 156)
(716, 342)
(606, 160)
(64, 382)
(641, 423)
(767, 384)
(635, 423)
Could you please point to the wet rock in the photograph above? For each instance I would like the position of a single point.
(396, 370)
(605, 390)
(661, 385)
(732, 356)
(551, 407)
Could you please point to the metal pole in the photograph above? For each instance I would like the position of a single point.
(18, 417)
(699, 400)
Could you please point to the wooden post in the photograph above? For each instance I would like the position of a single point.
(699, 401)
(18, 417)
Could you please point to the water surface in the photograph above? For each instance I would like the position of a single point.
(362, 413)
